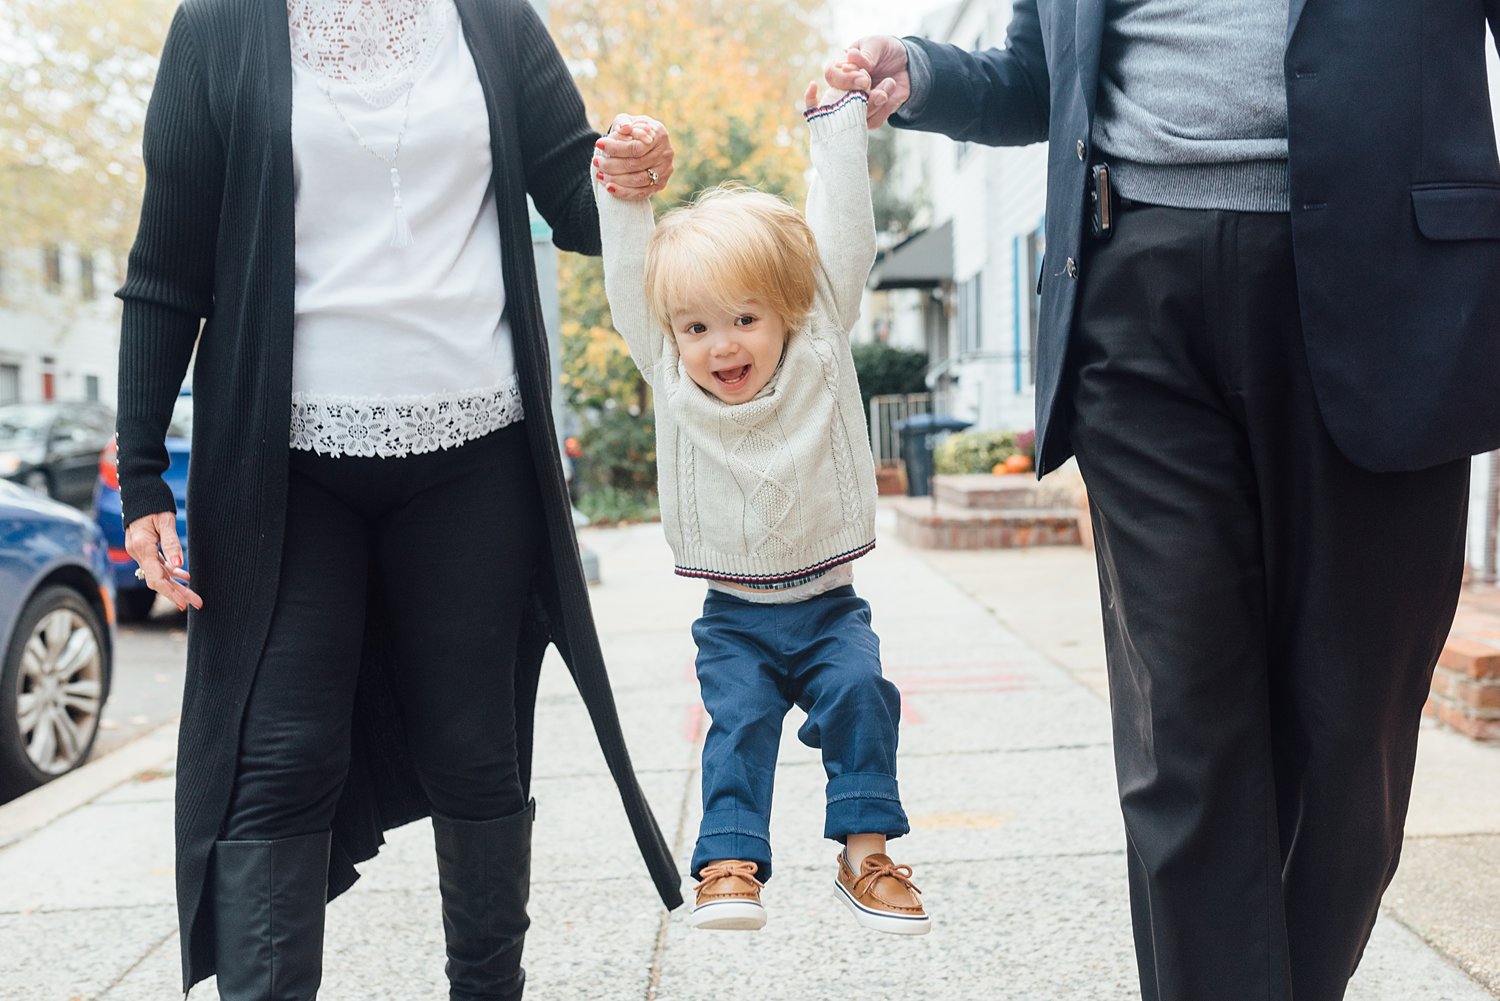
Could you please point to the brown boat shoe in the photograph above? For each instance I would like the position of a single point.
(882, 897)
(728, 897)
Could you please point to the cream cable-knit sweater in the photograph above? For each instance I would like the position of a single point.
(783, 485)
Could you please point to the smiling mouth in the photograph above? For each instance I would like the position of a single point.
(732, 378)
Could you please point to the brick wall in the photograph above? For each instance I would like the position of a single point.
(1466, 689)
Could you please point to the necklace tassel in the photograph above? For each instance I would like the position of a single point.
(400, 230)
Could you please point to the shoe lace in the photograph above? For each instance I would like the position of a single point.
(872, 869)
(733, 867)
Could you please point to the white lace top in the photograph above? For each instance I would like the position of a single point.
(397, 349)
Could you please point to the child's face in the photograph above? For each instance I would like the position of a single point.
(732, 354)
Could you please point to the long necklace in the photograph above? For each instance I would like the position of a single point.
(400, 230)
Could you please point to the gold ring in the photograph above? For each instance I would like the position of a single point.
(651, 173)
(140, 573)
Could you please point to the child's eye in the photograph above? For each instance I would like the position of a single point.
(696, 328)
(745, 321)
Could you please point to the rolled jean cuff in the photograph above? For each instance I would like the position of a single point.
(733, 834)
(864, 803)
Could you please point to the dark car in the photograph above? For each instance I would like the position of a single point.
(53, 448)
(135, 598)
(57, 636)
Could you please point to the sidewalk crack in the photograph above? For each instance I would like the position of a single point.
(658, 955)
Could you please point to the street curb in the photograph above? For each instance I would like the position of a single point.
(29, 813)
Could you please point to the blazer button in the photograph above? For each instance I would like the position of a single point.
(1070, 268)
(1080, 149)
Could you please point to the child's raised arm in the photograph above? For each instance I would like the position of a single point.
(625, 229)
(838, 200)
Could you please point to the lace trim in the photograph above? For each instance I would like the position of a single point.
(377, 46)
(399, 426)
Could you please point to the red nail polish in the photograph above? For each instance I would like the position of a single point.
(610, 189)
(600, 176)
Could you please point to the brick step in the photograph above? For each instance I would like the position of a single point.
(987, 492)
(929, 524)
(1466, 684)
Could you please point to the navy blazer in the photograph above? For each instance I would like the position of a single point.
(1395, 206)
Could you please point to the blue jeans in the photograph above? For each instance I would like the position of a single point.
(754, 663)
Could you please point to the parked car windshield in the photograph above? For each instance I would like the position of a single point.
(182, 419)
(24, 422)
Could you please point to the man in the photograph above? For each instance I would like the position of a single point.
(1270, 332)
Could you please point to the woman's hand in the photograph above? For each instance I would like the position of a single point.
(634, 160)
(877, 59)
(152, 542)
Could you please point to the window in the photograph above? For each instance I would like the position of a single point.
(91, 388)
(52, 267)
(86, 287)
(10, 383)
(96, 425)
(970, 326)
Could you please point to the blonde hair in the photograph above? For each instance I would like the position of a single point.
(733, 243)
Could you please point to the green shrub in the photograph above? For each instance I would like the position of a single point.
(884, 370)
(974, 451)
(619, 452)
(612, 506)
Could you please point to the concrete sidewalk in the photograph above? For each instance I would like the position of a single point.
(1005, 768)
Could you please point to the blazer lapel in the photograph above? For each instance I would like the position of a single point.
(1294, 14)
(1088, 36)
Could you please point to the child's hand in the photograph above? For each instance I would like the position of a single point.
(634, 160)
(859, 80)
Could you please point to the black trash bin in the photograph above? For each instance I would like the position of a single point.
(919, 435)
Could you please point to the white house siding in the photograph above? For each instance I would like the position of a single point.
(57, 331)
(995, 200)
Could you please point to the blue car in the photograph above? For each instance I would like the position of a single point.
(135, 598)
(57, 632)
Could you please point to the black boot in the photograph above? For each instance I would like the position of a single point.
(484, 872)
(268, 902)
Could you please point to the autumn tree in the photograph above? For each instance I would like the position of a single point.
(76, 81)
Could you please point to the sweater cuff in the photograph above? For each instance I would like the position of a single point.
(144, 496)
(919, 77)
(830, 119)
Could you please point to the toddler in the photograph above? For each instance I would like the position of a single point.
(737, 312)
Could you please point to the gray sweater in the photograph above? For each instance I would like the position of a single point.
(1191, 107)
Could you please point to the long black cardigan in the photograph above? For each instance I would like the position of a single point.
(216, 242)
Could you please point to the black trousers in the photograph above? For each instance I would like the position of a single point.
(451, 540)
(1272, 613)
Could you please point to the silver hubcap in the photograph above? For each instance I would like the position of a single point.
(59, 688)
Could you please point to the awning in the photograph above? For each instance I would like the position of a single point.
(921, 261)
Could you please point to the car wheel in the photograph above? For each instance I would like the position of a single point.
(135, 605)
(38, 481)
(51, 690)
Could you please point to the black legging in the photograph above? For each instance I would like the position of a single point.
(452, 538)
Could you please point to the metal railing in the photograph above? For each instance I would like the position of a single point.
(885, 413)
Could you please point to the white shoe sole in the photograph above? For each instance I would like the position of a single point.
(891, 924)
(728, 915)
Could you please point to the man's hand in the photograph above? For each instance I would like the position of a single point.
(634, 160)
(152, 542)
(876, 63)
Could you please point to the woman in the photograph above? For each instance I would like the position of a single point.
(382, 542)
